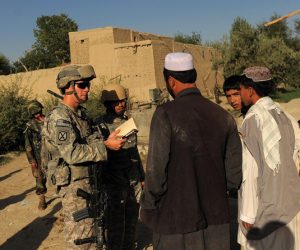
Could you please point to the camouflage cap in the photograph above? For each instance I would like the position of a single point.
(258, 74)
(34, 107)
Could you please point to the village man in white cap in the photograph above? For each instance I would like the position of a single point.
(270, 193)
(194, 157)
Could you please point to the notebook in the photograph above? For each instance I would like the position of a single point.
(127, 128)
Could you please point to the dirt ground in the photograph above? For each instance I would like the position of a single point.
(22, 225)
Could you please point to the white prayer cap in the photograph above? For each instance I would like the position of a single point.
(179, 61)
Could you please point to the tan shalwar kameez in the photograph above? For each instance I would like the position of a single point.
(270, 201)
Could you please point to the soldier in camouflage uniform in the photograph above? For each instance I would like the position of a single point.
(33, 149)
(124, 173)
(72, 148)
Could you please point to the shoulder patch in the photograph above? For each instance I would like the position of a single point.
(63, 123)
(63, 135)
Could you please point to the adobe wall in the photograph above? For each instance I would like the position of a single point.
(206, 77)
(135, 67)
(38, 81)
(134, 59)
(93, 47)
(116, 58)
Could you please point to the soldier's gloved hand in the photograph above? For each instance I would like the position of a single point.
(115, 142)
(34, 169)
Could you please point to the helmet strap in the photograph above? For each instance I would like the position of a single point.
(77, 97)
(72, 84)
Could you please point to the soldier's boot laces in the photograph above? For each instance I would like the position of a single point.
(42, 202)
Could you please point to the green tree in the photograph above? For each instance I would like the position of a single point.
(14, 115)
(243, 45)
(222, 46)
(5, 67)
(280, 58)
(279, 29)
(32, 60)
(297, 26)
(51, 47)
(52, 36)
(283, 31)
(94, 107)
(194, 38)
(296, 38)
(277, 47)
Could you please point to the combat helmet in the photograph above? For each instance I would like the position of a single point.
(34, 107)
(113, 92)
(72, 73)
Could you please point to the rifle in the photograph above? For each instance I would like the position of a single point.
(97, 203)
(60, 97)
(55, 94)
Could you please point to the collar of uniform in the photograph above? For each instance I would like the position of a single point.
(188, 91)
(37, 121)
(78, 112)
(111, 117)
(34, 125)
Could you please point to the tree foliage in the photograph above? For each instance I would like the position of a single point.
(13, 113)
(242, 46)
(51, 47)
(222, 46)
(5, 67)
(32, 60)
(297, 26)
(194, 38)
(280, 58)
(276, 47)
(280, 29)
(94, 107)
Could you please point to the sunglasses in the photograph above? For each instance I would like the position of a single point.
(119, 101)
(83, 85)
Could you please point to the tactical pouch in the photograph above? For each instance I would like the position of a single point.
(51, 167)
(61, 176)
(78, 172)
(58, 173)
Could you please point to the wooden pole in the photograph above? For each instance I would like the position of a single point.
(282, 18)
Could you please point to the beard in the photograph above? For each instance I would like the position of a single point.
(170, 91)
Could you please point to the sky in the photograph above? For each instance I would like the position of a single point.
(211, 18)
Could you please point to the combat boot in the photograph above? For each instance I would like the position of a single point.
(42, 202)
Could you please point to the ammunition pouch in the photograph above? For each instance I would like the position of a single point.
(78, 172)
(58, 173)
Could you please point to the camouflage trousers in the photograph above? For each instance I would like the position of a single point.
(121, 219)
(40, 181)
(70, 204)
